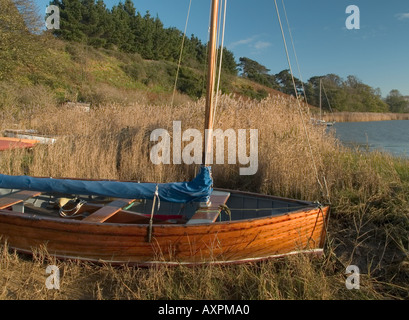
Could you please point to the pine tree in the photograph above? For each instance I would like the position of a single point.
(104, 25)
(145, 37)
(71, 27)
(122, 35)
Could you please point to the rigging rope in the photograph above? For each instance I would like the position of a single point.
(299, 105)
(71, 212)
(181, 53)
(295, 53)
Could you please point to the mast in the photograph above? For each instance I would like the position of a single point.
(211, 75)
(320, 101)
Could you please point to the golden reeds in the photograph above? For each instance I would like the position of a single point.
(112, 142)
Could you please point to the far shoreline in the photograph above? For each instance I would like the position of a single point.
(364, 116)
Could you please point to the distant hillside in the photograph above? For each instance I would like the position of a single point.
(100, 56)
(70, 71)
(125, 29)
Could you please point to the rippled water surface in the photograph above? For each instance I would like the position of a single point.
(389, 136)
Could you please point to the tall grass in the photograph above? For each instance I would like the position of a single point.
(368, 192)
(113, 142)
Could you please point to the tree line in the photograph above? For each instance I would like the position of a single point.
(123, 27)
(339, 94)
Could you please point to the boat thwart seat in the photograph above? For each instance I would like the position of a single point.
(17, 198)
(209, 214)
(108, 211)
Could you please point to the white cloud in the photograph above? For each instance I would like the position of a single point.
(243, 42)
(261, 45)
(252, 42)
(402, 16)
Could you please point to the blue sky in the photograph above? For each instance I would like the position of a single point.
(377, 53)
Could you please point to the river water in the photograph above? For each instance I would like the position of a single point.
(389, 136)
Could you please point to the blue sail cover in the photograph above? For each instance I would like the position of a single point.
(199, 189)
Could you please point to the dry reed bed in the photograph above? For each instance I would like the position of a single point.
(364, 116)
(113, 142)
(369, 224)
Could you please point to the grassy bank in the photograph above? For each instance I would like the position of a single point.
(364, 116)
(74, 72)
(369, 195)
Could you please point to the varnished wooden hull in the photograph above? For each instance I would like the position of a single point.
(218, 242)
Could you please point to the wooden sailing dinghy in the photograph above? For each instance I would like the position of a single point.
(261, 227)
(147, 224)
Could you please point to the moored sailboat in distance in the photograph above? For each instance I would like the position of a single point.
(321, 121)
(122, 222)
